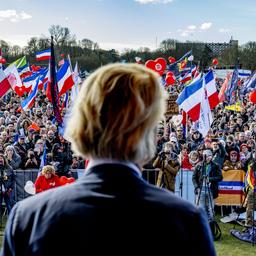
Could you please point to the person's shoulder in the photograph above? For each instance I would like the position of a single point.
(166, 200)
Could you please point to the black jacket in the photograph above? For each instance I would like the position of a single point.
(112, 210)
(215, 176)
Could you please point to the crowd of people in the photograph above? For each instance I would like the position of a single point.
(31, 140)
(187, 160)
(183, 154)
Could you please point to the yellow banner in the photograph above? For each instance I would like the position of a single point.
(231, 188)
(235, 107)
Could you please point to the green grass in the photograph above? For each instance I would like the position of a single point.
(226, 246)
(231, 246)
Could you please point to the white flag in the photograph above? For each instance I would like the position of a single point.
(205, 119)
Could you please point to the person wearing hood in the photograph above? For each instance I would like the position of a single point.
(196, 140)
(12, 157)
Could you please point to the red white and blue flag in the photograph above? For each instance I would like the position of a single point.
(65, 78)
(5, 86)
(43, 55)
(191, 97)
(29, 101)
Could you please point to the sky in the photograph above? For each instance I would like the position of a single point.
(121, 24)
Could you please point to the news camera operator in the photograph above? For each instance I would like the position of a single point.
(167, 161)
(206, 176)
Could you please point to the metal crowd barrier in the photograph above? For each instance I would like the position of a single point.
(22, 176)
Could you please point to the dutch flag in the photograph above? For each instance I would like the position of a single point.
(43, 55)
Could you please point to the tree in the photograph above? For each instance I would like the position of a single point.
(16, 50)
(87, 43)
(61, 35)
(32, 46)
(5, 47)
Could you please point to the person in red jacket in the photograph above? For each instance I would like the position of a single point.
(47, 180)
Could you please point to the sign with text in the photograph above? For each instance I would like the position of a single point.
(172, 106)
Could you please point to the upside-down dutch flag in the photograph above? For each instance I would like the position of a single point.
(211, 89)
(65, 78)
(186, 78)
(43, 55)
(190, 98)
(29, 101)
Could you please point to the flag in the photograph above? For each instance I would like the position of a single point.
(5, 85)
(205, 119)
(52, 87)
(250, 177)
(61, 62)
(211, 89)
(13, 77)
(224, 88)
(29, 101)
(34, 126)
(43, 55)
(186, 78)
(189, 99)
(43, 160)
(232, 86)
(250, 83)
(75, 88)
(231, 188)
(20, 63)
(64, 78)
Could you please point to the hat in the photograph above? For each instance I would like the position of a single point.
(208, 140)
(22, 136)
(207, 153)
(173, 139)
(243, 145)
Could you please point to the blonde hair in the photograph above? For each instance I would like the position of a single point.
(116, 113)
(48, 168)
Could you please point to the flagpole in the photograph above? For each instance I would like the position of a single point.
(70, 63)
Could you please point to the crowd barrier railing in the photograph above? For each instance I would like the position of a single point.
(22, 176)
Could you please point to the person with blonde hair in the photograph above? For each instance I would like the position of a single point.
(47, 179)
(111, 208)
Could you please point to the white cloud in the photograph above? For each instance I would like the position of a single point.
(13, 15)
(224, 30)
(154, 1)
(191, 27)
(25, 16)
(185, 32)
(205, 25)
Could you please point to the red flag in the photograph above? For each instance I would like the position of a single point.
(4, 83)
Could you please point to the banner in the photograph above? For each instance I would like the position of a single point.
(231, 188)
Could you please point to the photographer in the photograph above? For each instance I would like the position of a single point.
(31, 162)
(219, 152)
(167, 161)
(206, 176)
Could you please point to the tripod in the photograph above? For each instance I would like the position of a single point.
(208, 203)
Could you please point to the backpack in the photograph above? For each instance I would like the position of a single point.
(216, 231)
